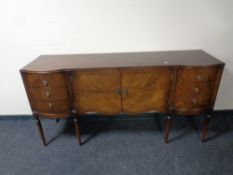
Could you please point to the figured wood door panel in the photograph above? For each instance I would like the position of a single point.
(97, 91)
(145, 90)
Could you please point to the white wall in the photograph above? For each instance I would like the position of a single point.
(29, 28)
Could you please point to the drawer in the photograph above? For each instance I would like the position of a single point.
(193, 89)
(44, 79)
(48, 93)
(191, 102)
(190, 111)
(193, 95)
(51, 106)
(197, 74)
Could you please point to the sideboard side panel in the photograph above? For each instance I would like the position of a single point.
(216, 85)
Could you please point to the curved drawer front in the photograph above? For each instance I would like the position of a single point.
(197, 74)
(48, 93)
(45, 79)
(51, 106)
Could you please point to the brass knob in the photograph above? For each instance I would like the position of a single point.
(199, 78)
(117, 91)
(194, 101)
(50, 105)
(47, 94)
(45, 83)
(196, 89)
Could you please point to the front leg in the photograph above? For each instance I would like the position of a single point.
(205, 128)
(40, 129)
(168, 124)
(77, 129)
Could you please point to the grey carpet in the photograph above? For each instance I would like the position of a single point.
(121, 146)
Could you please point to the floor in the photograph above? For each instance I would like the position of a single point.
(116, 146)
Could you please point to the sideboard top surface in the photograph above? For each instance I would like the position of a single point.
(121, 60)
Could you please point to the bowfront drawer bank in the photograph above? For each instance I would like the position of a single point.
(181, 83)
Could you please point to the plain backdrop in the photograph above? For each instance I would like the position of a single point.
(29, 28)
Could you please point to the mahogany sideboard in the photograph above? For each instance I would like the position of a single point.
(183, 83)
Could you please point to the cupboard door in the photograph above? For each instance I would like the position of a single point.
(97, 91)
(145, 90)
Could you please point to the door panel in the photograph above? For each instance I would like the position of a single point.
(97, 91)
(145, 90)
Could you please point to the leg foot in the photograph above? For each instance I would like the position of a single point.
(205, 128)
(168, 123)
(77, 129)
(40, 129)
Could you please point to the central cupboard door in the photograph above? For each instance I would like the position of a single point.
(97, 91)
(145, 90)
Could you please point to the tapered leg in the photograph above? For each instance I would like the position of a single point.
(205, 128)
(168, 123)
(77, 129)
(40, 129)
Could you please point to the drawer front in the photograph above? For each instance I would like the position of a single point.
(51, 106)
(44, 79)
(193, 95)
(48, 93)
(197, 74)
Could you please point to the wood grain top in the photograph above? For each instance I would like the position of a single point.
(120, 60)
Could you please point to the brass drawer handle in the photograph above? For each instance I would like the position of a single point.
(194, 101)
(199, 78)
(45, 83)
(117, 91)
(50, 105)
(196, 89)
(48, 94)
